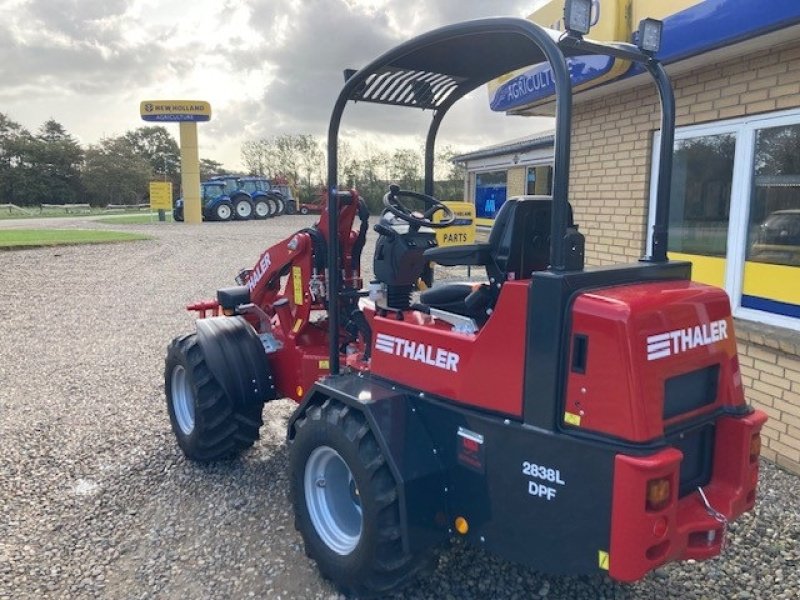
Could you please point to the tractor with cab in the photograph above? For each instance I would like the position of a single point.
(216, 204)
(580, 420)
(242, 203)
(267, 201)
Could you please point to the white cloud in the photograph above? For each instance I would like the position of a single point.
(266, 66)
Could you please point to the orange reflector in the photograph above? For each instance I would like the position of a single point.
(462, 526)
(755, 447)
(658, 493)
(228, 312)
(299, 391)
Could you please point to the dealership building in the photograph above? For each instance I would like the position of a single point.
(735, 203)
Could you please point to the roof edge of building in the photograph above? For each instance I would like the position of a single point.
(507, 148)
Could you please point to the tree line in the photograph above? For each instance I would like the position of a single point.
(50, 166)
(300, 159)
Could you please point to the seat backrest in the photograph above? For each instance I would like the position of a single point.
(519, 242)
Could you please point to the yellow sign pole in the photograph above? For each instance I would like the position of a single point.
(187, 113)
(190, 173)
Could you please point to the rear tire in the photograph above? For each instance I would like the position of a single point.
(303, 210)
(261, 210)
(243, 209)
(207, 423)
(280, 203)
(346, 503)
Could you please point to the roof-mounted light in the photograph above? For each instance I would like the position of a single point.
(650, 35)
(578, 16)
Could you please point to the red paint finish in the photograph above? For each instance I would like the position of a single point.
(490, 365)
(288, 304)
(642, 540)
(621, 391)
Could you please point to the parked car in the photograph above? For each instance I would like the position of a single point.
(778, 238)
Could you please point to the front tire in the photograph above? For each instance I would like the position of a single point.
(223, 211)
(303, 210)
(346, 503)
(207, 423)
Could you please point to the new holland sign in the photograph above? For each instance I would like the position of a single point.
(175, 110)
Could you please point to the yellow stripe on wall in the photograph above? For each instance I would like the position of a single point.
(774, 282)
(705, 269)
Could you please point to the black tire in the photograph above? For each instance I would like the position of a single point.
(281, 205)
(377, 565)
(273, 207)
(303, 210)
(223, 211)
(219, 429)
(261, 209)
(177, 214)
(242, 209)
(291, 207)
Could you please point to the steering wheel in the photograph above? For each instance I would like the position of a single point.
(393, 204)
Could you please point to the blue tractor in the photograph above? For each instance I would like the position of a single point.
(216, 204)
(267, 201)
(243, 206)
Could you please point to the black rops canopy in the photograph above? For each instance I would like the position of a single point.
(435, 69)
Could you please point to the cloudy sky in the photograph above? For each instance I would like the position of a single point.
(266, 66)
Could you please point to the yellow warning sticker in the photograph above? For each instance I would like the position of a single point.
(572, 419)
(324, 364)
(602, 559)
(297, 325)
(297, 280)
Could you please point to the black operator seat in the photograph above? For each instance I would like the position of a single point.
(519, 243)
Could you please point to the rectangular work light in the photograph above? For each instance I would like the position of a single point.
(578, 16)
(650, 35)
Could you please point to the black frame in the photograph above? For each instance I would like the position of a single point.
(436, 69)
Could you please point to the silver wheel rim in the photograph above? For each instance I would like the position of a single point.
(262, 209)
(243, 209)
(182, 397)
(332, 500)
(224, 211)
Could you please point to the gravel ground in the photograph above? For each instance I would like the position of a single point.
(96, 500)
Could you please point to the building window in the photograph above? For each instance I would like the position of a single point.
(539, 181)
(490, 193)
(735, 212)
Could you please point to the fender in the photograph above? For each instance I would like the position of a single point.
(409, 451)
(236, 358)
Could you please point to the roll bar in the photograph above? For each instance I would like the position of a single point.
(438, 68)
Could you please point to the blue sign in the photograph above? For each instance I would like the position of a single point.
(700, 28)
(537, 83)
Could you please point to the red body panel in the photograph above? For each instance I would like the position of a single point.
(642, 540)
(622, 389)
(490, 366)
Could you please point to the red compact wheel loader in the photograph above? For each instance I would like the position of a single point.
(579, 420)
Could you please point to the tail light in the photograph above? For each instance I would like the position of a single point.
(755, 447)
(659, 492)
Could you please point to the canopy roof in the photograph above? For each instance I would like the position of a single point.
(458, 59)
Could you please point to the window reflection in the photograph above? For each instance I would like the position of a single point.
(774, 224)
(701, 192)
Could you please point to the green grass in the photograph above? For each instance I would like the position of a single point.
(33, 238)
(35, 213)
(140, 219)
